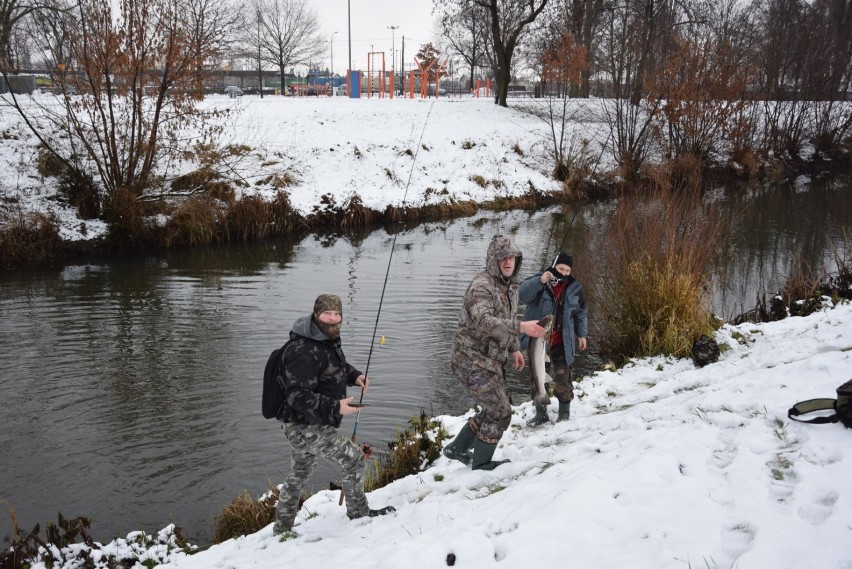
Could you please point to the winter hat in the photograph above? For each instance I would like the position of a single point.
(321, 304)
(563, 259)
(327, 302)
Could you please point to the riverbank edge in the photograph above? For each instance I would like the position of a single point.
(34, 241)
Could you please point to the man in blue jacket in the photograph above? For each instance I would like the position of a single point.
(555, 291)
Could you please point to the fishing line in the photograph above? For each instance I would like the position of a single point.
(567, 231)
(390, 258)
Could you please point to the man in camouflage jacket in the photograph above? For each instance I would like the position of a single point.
(315, 378)
(487, 335)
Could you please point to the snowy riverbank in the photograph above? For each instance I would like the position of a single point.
(663, 465)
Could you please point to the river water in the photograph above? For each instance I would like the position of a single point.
(131, 388)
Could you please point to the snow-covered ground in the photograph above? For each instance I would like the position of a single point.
(662, 465)
(398, 152)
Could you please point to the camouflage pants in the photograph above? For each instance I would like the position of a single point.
(488, 390)
(307, 442)
(562, 374)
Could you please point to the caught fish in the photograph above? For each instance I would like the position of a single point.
(536, 352)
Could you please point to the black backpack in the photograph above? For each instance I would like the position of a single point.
(273, 393)
(842, 407)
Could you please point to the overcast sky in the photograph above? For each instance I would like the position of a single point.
(370, 21)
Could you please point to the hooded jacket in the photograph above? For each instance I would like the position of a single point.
(488, 327)
(315, 376)
(540, 302)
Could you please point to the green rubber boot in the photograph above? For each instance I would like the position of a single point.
(564, 412)
(459, 449)
(540, 416)
(482, 454)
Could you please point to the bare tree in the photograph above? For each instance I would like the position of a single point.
(13, 14)
(582, 19)
(629, 123)
(49, 32)
(508, 20)
(252, 42)
(828, 72)
(782, 75)
(467, 30)
(289, 34)
(128, 88)
(212, 28)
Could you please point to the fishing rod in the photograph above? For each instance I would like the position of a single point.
(387, 272)
(595, 167)
(366, 448)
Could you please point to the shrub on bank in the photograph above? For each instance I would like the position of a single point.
(648, 284)
(28, 238)
(245, 515)
(414, 450)
(198, 220)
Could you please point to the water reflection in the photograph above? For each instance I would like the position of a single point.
(133, 387)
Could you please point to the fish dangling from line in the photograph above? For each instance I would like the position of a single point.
(536, 351)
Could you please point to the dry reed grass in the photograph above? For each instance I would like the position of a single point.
(802, 289)
(683, 173)
(249, 219)
(649, 284)
(245, 516)
(28, 238)
(198, 220)
(355, 215)
(282, 217)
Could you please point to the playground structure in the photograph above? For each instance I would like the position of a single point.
(382, 83)
(304, 90)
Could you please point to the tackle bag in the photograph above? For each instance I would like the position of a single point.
(273, 392)
(842, 407)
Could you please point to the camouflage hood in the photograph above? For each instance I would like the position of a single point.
(500, 248)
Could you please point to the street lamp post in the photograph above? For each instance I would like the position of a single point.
(393, 59)
(349, 26)
(331, 69)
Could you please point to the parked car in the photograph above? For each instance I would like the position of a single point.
(340, 90)
(233, 91)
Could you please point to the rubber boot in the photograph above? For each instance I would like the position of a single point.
(459, 449)
(540, 416)
(482, 454)
(564, 412)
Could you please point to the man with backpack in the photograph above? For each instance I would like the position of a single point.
(314, 374)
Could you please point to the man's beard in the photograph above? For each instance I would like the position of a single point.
(330, 330)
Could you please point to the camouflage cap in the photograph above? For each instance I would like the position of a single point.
(327, 302)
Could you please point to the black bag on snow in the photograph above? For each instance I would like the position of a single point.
(705, 351)
(842, 407)
(273, 394)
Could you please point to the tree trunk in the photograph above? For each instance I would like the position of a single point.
(283, 75)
